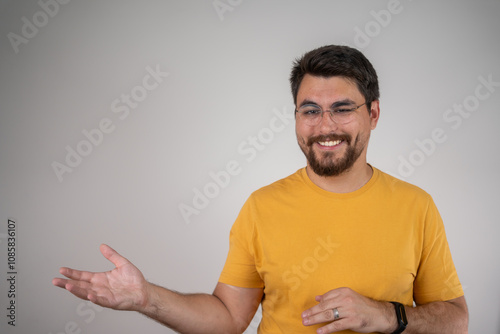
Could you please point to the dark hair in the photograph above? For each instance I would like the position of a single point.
(335, 60)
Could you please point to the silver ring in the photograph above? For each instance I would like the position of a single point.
(336, 314)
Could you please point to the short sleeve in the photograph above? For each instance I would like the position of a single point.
(436, 279)
(240, 267)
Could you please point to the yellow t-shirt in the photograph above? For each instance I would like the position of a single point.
(295, 240)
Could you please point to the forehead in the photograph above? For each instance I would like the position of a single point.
(327, 89)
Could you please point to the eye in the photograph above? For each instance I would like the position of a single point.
(342, 110)
(311, 112)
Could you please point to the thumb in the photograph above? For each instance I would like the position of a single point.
(113, 256)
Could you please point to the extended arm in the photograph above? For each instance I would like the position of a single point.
(365, 315)
(228, 310)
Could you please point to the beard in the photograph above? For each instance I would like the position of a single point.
(326, 164)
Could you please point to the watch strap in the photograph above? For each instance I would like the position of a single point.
(401, 317)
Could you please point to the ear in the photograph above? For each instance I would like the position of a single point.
(374, 113)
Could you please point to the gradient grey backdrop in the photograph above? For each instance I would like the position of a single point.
(228, 80)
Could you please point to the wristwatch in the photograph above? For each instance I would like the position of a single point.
(401, 316)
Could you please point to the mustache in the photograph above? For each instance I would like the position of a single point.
(329, 137)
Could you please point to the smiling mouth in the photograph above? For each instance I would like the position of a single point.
(330, 143)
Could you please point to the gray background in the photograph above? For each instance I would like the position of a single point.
(228, 79)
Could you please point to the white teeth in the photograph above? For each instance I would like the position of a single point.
(330, 143)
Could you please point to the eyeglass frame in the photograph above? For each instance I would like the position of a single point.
(330, 111)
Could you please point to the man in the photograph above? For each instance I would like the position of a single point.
(338, 246)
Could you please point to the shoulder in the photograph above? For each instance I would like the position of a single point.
(284, 186)
(265, 201)
(391, 185)
(406, 199)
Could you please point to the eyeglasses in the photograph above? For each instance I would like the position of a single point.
(312, 114)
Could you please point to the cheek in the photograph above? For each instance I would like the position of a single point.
(301, 140)
(301, 136)
(303, 130)
(357, 128)
(299, 131)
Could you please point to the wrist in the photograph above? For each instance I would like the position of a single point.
(148, 300)
(401, 320)
(391, 320)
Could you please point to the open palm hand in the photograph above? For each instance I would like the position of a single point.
(123, 288)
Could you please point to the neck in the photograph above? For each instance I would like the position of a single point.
(350, 180)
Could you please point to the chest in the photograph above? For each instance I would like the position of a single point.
(309, 252)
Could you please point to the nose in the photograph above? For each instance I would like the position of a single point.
(326, 124)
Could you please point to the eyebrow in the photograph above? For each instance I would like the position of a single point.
(341, 103)
(336, 104)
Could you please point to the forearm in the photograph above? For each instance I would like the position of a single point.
(438, 317)
(187, 313)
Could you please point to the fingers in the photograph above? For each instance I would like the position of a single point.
(59, 282)
(324, 311)
(327, 316)
(77, 275)
(325, 305)
(323, 314)
(86, 276)
(353, 311)
(113, 256)
(335, 293)
(79, 289)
